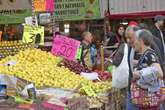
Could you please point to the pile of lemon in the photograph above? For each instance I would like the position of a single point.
(41, 68)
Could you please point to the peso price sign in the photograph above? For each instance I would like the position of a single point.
(65, 47)
(33, 34)
(43, 5)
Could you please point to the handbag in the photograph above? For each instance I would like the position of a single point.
(120, 74)
(143, 99)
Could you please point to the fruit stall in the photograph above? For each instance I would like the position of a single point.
(32, 78)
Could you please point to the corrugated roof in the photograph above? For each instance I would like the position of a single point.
(135, 6)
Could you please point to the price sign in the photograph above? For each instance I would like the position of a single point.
(43, 5)
(50, 5)
(39, 5)
(33, 34)
(0, 35)
(65, 47)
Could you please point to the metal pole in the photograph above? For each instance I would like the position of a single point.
(102, 58)
(33, 13)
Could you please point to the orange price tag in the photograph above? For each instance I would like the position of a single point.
(0, 35)
(39, 5)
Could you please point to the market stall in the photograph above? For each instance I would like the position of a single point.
(33, 79)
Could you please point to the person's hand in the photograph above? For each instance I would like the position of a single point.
(135, 62)
(117, 44)
(136, 75)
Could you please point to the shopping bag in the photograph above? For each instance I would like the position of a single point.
(144, 99)
(120, 74)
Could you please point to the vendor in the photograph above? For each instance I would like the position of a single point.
(89, 51)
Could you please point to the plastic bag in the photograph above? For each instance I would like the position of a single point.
(120, 74)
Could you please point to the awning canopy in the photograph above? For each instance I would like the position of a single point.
(136, 8)
(136, 15)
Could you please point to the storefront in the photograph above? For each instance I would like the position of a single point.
(140, 10)
(12, 15)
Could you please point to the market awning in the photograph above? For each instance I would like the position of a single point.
(136, 15)
(120, 9)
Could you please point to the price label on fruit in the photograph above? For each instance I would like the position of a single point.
(65, 47)
(33, 34)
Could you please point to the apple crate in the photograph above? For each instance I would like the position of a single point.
(78, 104)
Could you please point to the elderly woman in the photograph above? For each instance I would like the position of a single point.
(147, 73)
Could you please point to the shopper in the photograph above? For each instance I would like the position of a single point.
(156, 45)
(148, 73)
(157, 32)
(116, 39)
(131, 38)
(118, 56)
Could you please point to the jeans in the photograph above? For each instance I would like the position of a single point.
(131, 106)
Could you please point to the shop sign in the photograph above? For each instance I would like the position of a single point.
(33, 34)
(43, 5)
(65, 47)
(15, 4)
(13, 16)
(44, 18)
(77, 9)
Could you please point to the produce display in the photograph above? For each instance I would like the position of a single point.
(42, 69)
(74, 66)
(8, 48)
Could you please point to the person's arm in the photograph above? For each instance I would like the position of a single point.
(160, 72)
(136, 75)
(153, 61)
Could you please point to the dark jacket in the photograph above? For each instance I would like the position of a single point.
(158, 40)
(118, 55)
(113, 39)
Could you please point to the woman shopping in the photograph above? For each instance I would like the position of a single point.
(147, 76)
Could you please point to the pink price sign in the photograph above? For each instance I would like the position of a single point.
(50, 5)
(65, 47)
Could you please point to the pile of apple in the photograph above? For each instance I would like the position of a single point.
(42, 69)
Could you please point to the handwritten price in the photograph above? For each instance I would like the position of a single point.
(65, 47)
(65, 51)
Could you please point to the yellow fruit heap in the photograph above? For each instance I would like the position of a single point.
(41, 68)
